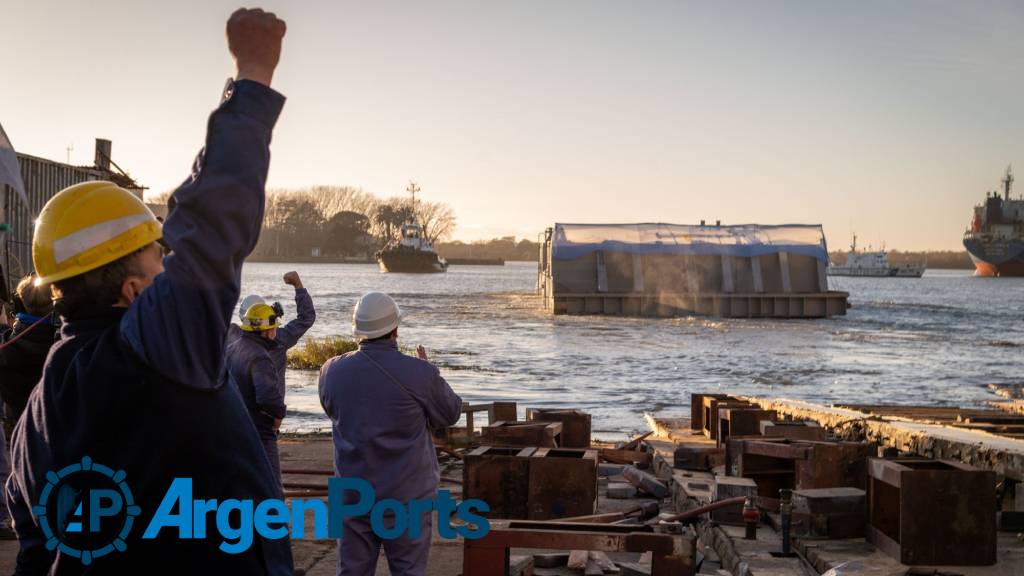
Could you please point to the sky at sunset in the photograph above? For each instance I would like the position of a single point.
(890, 119)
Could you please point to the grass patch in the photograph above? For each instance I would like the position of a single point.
(313, 352)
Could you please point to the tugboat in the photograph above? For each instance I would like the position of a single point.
(995, 239)
(412, 252)
(874, 264)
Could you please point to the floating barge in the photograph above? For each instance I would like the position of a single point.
(667, 270)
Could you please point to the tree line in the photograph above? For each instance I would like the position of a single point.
(506, 248)
(341, 221)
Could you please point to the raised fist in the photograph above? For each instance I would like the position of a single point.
(292, 278)
(254, 38)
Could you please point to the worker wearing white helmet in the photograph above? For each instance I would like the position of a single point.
(382, 404)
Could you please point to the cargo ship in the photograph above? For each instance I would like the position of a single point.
(995, 239)
(412, 252)
(874, 264)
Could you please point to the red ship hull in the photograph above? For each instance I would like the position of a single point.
(1006, 269)
(996, 257)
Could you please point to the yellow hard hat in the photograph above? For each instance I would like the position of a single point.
(88, 225)
(260, 317)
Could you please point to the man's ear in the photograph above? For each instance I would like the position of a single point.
(131, 287)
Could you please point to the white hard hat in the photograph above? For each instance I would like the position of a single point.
(247, 303)
(376, 314)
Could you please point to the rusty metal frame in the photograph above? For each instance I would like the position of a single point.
(710, 415)
(737, 421)
(697, 422)
(576, 424)
(917, 489)
(496, 412)
(500, 476)
(563, 482)
(672, 555)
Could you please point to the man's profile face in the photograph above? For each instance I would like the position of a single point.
(148, 263)
(151, 263)
(269, 334)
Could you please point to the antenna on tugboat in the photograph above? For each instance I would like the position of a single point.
(413, 189)
(1008, 182)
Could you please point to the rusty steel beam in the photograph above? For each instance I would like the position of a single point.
(697, 457)
(782, 449)
(802, 430)
(672, 555)
(307, 471)
(536, 434)
(640, 457)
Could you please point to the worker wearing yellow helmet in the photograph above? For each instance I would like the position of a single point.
(261, 335)
(251, 369)
(136, 382)
(261, 318)
(88, 226)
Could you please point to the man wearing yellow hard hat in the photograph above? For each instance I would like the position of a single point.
(251, 368)
(136, 383)
(261, 401)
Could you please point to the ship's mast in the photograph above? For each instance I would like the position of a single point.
(853, 247)
(413, 189)
(1008, 182)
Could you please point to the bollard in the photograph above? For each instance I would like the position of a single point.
(751, 516)
(785, 508)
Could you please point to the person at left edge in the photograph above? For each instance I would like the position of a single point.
(257, 359)
(136, 381)
(23, 351)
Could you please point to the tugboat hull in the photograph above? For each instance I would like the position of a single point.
(411, 261)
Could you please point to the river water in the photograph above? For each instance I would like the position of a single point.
(938, 339)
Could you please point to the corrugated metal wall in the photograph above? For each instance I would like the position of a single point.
(43, 178)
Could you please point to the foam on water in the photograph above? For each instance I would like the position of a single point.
(938, 339)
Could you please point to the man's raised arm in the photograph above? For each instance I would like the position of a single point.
(179, 324)
(289, 334)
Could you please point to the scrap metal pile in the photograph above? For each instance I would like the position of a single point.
(543, 479)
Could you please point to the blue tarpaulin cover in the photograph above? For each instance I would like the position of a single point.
(745, 240)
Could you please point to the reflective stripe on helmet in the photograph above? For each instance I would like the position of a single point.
(88, 238)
